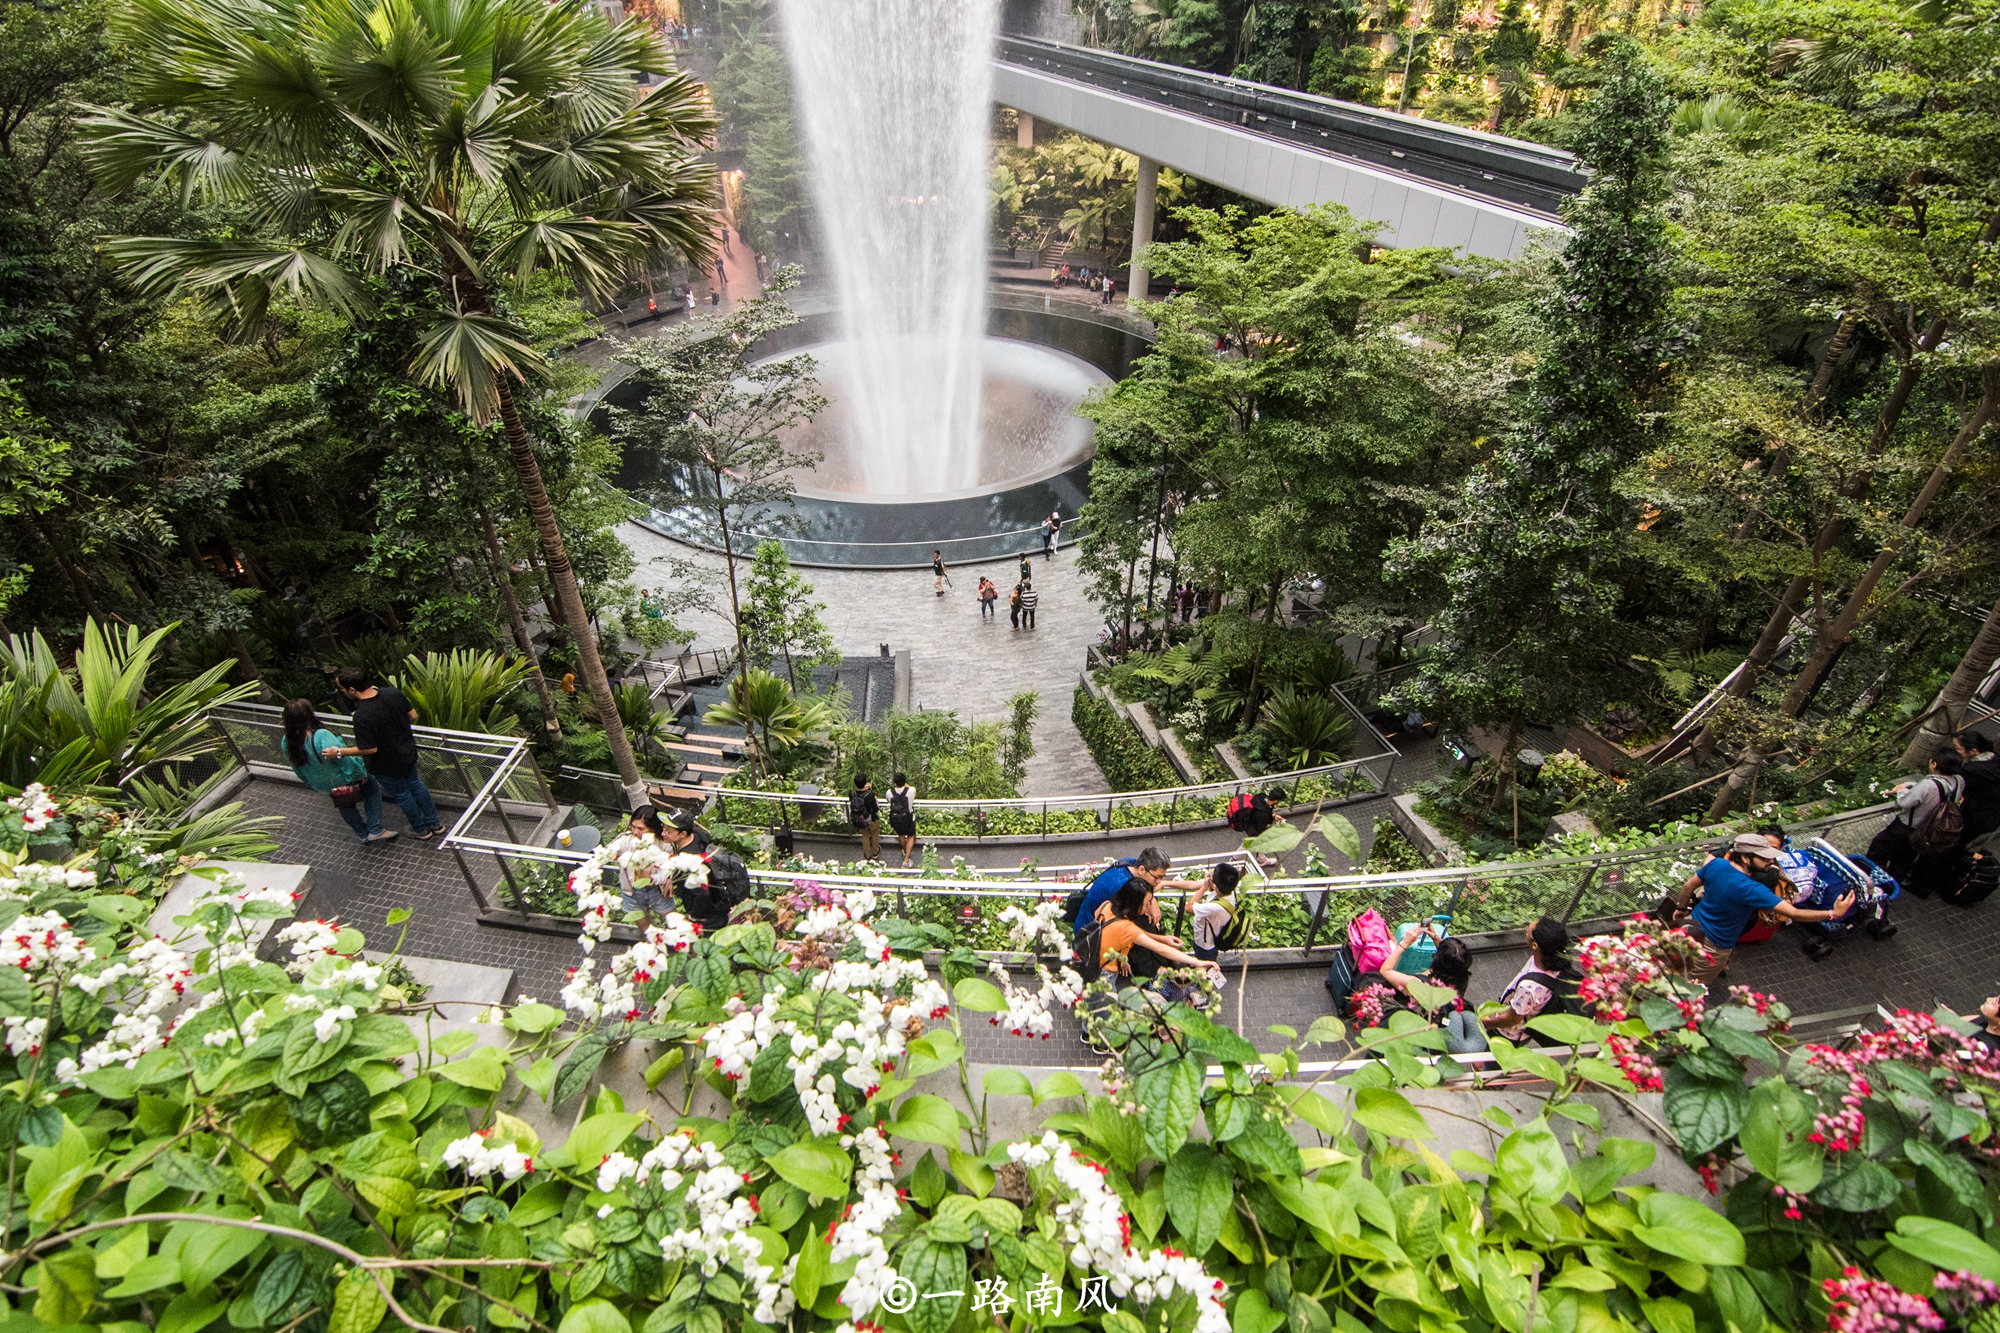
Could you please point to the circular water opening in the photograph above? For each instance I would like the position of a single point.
(1028, 429)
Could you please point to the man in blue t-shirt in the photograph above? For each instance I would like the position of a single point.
(1150, 866)
(1731, 898)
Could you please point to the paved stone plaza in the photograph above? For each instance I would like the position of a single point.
(956, 660)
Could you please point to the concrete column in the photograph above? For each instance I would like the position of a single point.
(1142, 225)
(1024, 129)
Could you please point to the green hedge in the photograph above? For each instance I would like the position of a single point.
(1129, 763)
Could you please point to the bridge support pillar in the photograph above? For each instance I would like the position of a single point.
(1024, 129)
(1142, 225)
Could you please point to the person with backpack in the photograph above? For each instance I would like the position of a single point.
(1920, 844)
(1149, 866)
(1732, 896)
(1252, 813)
(1546, 984)
(707, 905)
(1451, 967)
(1979, 770)
(1218, 919)
(865, 813)
(903, 816)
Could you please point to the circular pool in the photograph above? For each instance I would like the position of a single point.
(1033, 453)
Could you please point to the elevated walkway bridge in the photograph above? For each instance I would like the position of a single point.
(1426, 183)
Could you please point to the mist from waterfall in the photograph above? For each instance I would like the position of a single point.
(895, 99)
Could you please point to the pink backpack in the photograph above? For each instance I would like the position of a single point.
(1368, 937)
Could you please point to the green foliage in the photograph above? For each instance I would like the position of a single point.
(1127, 762)
(1307, 729)
(775, 721)
(780, 621)
(464, 691)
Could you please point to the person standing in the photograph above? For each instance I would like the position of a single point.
(356, 797)
(690, 301)
(707, 905)
(903, 816)
(988, 594)
(1027, 567)
(1048, 541)
(938, 575)
(640, 893)
(1054, 537)
(865, 813)
(1187, 602)
(1014, 607)
(1981, 775)
(383, 738)
(1731, 898)
(1030, 599)
(1110, 285)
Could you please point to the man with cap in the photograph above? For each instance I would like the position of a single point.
(728, 878)
(1731, 897)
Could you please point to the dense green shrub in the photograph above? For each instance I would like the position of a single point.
(1129, 764)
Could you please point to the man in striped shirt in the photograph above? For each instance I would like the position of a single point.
(1029, 599)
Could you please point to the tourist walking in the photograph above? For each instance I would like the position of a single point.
(1029, 600)
(1014, 607)
(989, 593)
(356, 797)
(1110, 285)
(383, 738)
(939, 578)
(865, 813)
(903, 816)
(1187, 602)
(1731, 898)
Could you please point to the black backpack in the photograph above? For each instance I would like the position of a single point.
(854, 815)
(899, 803)
(1089, 945)
(1946, 825)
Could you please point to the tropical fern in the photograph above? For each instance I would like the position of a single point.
(464, 690)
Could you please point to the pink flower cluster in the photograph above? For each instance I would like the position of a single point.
(1617, 969)
(1635, 1064)
(1795, 1204)
(1368, 1004)
(1864, 1305)
(1962, 1293)
(1912, 1038)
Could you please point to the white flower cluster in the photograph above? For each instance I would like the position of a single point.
(136, 1030)
(36, 808)
(310, 940)
(864, 1048)
(733, 1043)
(1100, 1237)
(775, 1298)
(1028, 1012)
(617, 992)
(641, 857)
(1038, 931)
(858, 1234)
(24, 1035)
(33, 943)
(29, 878)
(479, 1159)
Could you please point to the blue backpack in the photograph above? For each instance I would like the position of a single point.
(1073, 905)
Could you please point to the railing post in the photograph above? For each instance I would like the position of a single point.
(230, 741)
(478, 894)
(1107, 817)
(1045, 821)
(1173, 807)
(507, 873)
(1576, 899)
(472, 794)
(1319, 915)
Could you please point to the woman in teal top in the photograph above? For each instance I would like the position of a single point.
(305, 738)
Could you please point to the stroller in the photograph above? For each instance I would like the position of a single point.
(1835, 873)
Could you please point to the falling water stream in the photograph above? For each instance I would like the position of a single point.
(895, 100)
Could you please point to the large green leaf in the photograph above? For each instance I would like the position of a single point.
(934, 1268)
(1775, 1137)
(1171, 1096)
(1531, 1164)
(925, 1119)
(358, 1304)
(1275, 840)
(979, 995)
(590, 1141)
(1858, 1187)
(815, 1166)
(1947, 1247)
(594, 1316)
(1386, 1111)
(1677, 1225)
(1703, 1113)
(209, 1251)
(1200, 1188)
(1340, 833)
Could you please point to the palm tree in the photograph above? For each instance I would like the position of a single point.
(771, 716)
(463, 142)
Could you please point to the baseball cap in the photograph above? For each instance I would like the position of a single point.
(1754, 844)
(682, 820)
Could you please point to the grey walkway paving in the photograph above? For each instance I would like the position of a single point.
(957, 661)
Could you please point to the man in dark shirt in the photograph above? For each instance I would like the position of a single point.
(865, 813)
(383, 739)
(728, 878)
